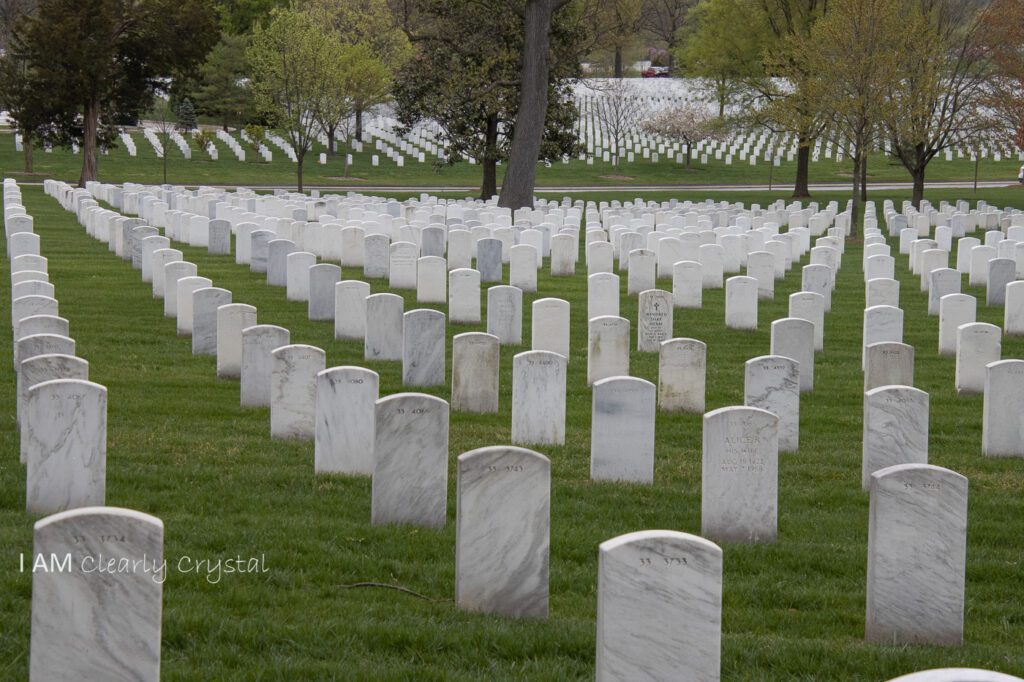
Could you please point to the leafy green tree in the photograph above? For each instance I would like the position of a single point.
(241, 16)
(98, 62)
(294, 62)
(664, 20)
(186, 114)
(724, 59)
(849, 65)
(374, 24)
(220, 90)
(946, 71)
(470, 85)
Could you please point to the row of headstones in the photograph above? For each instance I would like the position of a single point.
(61, 414)
(659, 592)
(976, 347)
(740, 443)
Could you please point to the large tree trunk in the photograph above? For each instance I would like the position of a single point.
(330, 141)
(803, 164)
(298, 168)
(618, 61)
(520, 177)
(864, 177)
(855, 204)
(359, 122)
(918, 175)
(26, 147)
(489, 186)
(91, 115)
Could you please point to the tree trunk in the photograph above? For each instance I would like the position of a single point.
(359, 122)
(520, 177)
(489, 186)
(26, 146)
(688, 154)
(918, 195)
(91, 124)
(298, 168)
(855, 207)
(864, 177)
(618, 61)
(803, 164)
(330, 141)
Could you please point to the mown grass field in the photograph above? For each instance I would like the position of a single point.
(147, 168)
(181, 448)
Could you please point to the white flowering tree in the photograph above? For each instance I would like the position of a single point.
(687, 124)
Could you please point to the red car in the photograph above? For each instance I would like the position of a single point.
(656, 72)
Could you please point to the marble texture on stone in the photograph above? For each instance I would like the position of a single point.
(39, 344)
(431, 280)
(231, 320)
(88, 625)
(772, 383)
(810, 306)
(173, 272)
(423, 348)
(410, 472)
(818, 279)
(260, 256)
(654, 320)
(278, 251)
(297, 265)
(46, 367)
(1013, 309)
(741, 303)
(322, 281)
(882, 323)
(32, 287)
(977, 345)
(642, 271)
(793, 337)
(882, 292)
(942, 281)
(740, 475)
(64, 441)
(608, 343)
(344, 434)
(464, 296)
(383, 340)
(888, 363)
(1001, 271)
(956, 675)
(27, 306)
(505, 314)
(219, 237)
(37, 324)
(187, 286)
(538, 398)
(917, 555)
(402, 265)
(895, 429)
(293, 391)
(488, 259)
(622, 430)
(258, 342)
(476, 360)
(954, 310)
(659, 608)
(1002, 430)
(205, 302)
(502, 532)
(161, 257)
(682, 365)
(522, 268)
(602, 295)
(563, 256)
(350, 309)
(761, 266)
(149, 246)
(550, 326)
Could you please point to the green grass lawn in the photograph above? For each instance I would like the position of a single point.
(181, 448)
(147, 168)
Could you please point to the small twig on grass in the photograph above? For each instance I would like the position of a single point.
(405, 590)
